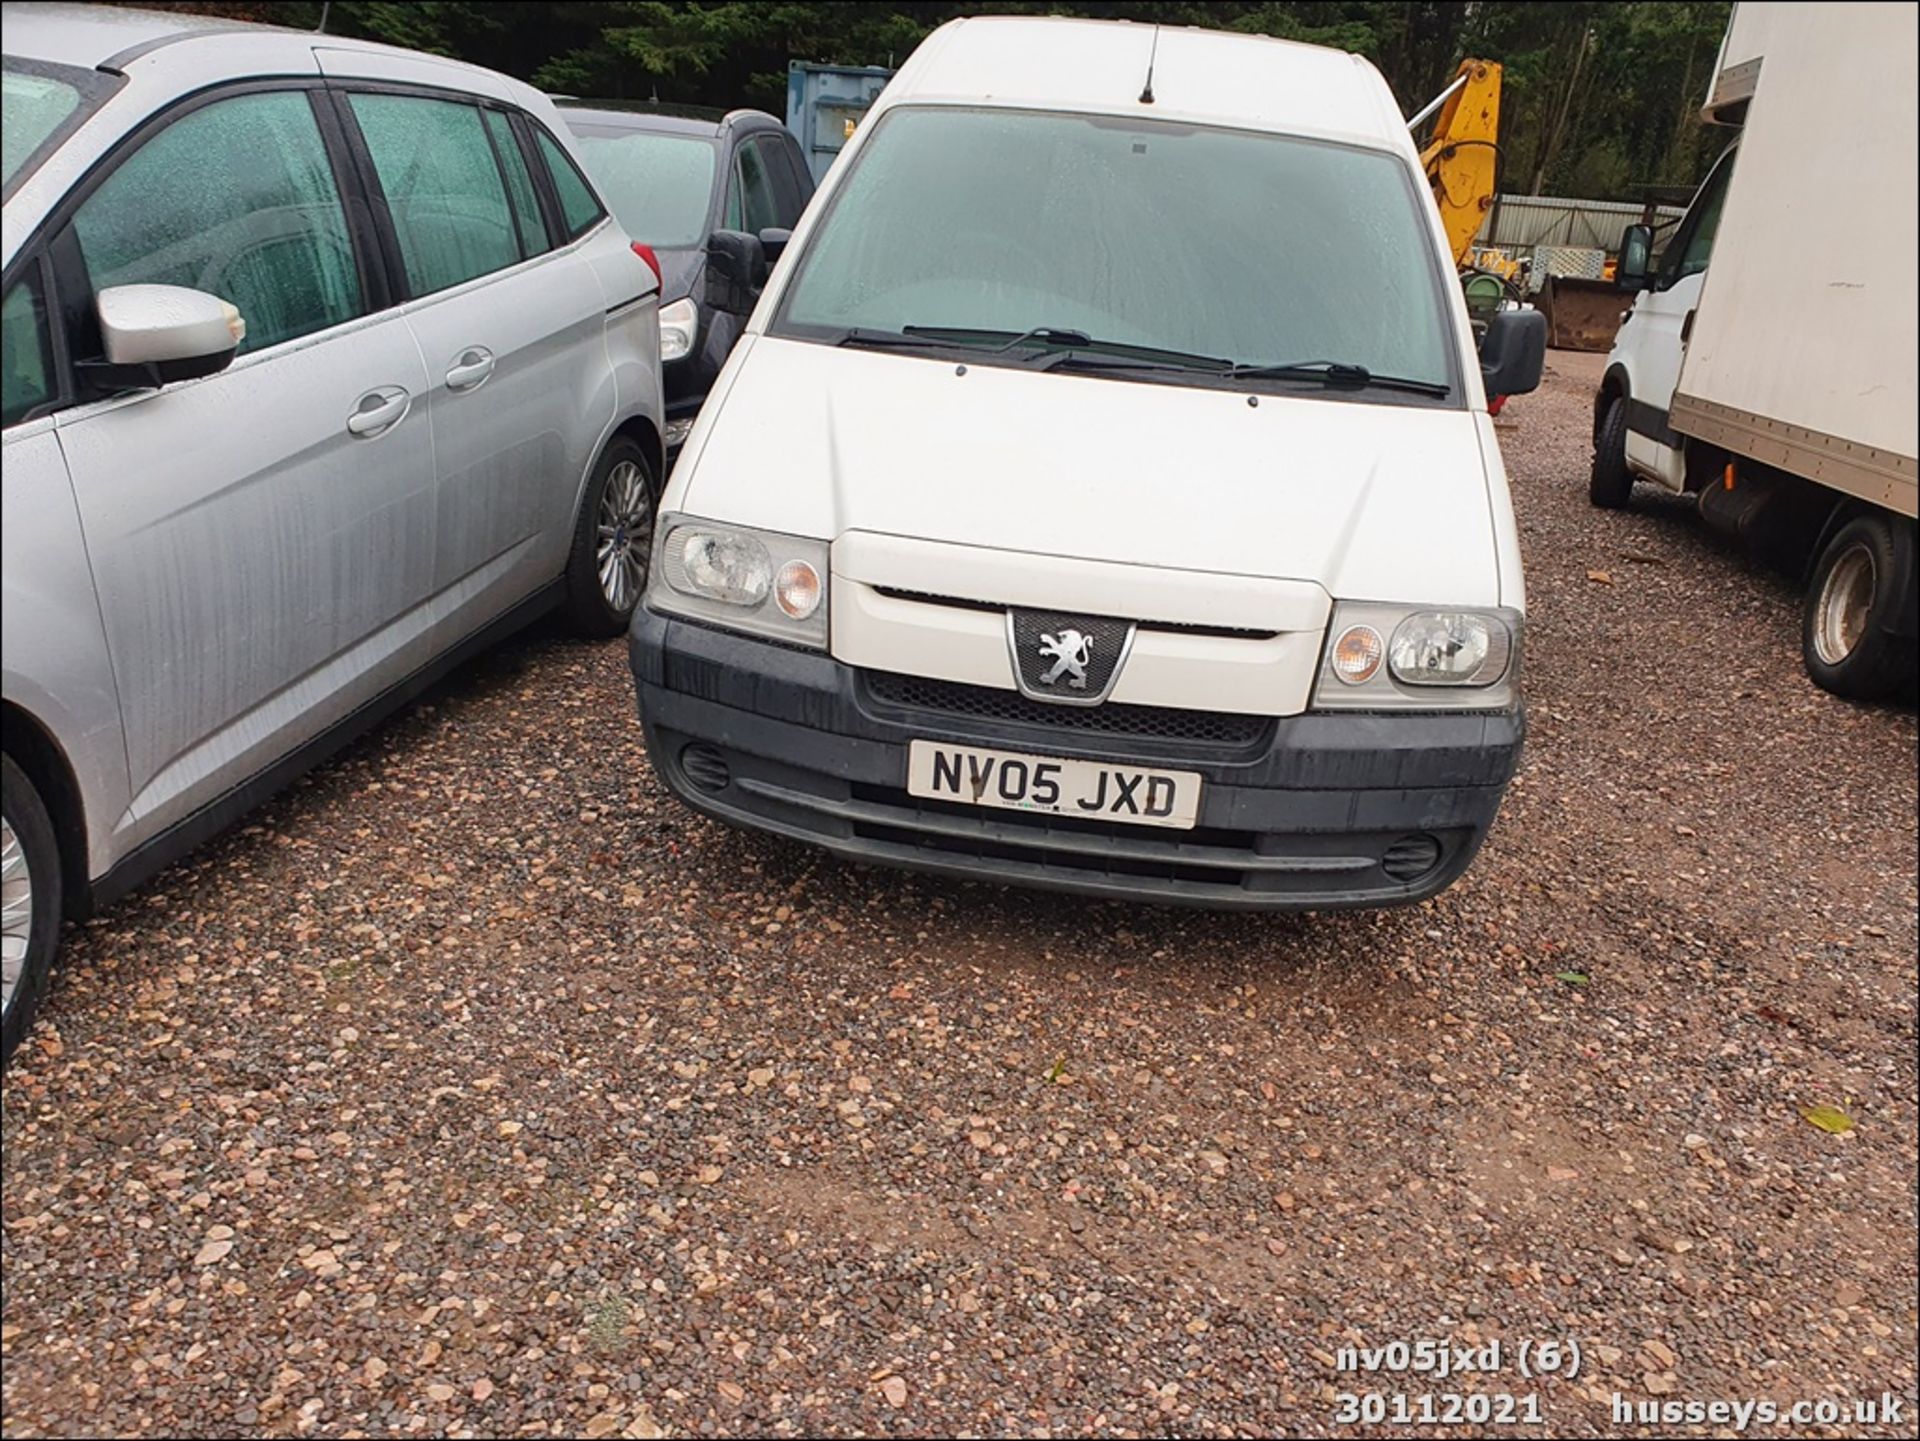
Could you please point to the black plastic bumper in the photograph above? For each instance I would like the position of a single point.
(1316, 812)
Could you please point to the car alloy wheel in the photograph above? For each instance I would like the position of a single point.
(16, 913)
(625, 535)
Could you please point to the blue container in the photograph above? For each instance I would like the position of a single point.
(825, 102)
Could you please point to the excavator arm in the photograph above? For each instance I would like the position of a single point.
(1461, 159)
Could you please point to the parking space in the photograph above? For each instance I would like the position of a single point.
(475, 1084)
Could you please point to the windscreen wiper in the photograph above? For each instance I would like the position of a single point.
(1339, 375)
(962, 337)
(861, 338)
(1062, 347)
(1089, 354)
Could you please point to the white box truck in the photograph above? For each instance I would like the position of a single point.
(1768, 362)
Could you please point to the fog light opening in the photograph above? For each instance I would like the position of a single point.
(706, 767)
(1411, 857)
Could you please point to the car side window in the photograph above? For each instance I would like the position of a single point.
(443, 188)
(26, 351)
(786, 190)
(579, 207)
(799, 188)
(235, 198)
(759, 208)
(526, 209)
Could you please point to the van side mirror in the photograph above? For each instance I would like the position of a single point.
(1513, 352)
(773, 243)
(736, 269)
(154, 335)
(1636, 257)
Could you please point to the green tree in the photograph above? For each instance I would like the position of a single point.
(1598, 100)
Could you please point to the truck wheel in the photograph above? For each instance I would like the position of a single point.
(1610, 486)
(29, 904)
(1847, 634)
(612, 542)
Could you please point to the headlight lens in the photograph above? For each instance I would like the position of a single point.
(1432, 659)
(1444, 647)
(679, 325)
(751, 580)
(724, 565)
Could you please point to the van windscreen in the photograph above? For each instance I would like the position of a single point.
(1251, 248)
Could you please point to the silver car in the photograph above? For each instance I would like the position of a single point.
(324, 366)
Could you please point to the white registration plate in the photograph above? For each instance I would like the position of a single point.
(1013, 780)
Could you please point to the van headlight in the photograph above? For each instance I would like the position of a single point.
(679, 325)
(1397, 657)
(743, 579)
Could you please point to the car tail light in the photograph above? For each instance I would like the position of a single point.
(645, 252)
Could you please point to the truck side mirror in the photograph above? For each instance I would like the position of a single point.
(1513, 352)
(736, 269)
(1636, 257)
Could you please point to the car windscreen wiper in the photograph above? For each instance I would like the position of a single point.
(958, 337)
(1338, 375)
(1061, 347)
(861, 338)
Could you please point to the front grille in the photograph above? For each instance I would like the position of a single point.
(978, 702)
(1177, 627)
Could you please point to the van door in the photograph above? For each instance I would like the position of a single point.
(511, 322)
(261, 539)
(1661, 321)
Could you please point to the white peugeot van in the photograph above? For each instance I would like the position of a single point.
(1102, 494)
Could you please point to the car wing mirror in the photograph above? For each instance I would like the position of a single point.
(154, 335)
(736, 269)
(773, 243)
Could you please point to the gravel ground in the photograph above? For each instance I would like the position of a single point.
(476, 1087)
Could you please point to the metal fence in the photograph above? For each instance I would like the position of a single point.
(1519, 224)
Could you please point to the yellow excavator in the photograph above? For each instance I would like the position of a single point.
(1462, 163)
(1462, 157)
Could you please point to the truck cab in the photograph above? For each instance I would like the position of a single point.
(1644, 365)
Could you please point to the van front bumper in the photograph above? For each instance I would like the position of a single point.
(1313, 811)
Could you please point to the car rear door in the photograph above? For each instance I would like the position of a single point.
(261, 540)
(510, 320)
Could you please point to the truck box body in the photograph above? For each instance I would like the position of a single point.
(1801, 353)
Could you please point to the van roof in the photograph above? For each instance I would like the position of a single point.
(1100, 66)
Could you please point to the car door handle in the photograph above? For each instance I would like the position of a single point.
(379, 411)
(474, 366)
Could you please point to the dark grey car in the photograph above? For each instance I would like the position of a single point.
(674, 177)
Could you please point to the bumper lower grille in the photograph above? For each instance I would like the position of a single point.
(979, 702)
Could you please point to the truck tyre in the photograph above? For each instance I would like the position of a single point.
(30, 896)
(1610, 486)
(612, 541)
(1848, 633)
